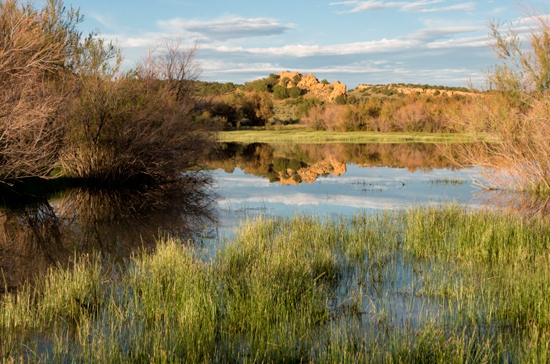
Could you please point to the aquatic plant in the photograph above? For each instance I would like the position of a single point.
(442, 285)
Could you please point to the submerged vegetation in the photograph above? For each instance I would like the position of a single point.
(437, 285)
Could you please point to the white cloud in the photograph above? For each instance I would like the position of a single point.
(305, 199)
(429, 34)
(421, 6)
(422, 39)
(305, 50)
(226, 28)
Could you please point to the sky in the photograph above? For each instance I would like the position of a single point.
(436, 42)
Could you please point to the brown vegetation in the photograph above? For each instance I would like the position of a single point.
(123, 126)
(412, 113)
(66, 105)
(36, 47)
(516, 113)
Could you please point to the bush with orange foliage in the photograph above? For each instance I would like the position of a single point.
(412, 114)
(515, 114)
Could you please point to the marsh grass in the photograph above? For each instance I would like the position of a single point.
(319, 137)
(441, 285)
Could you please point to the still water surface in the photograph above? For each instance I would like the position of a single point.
(241, 181)
(333, 179)
(367, 188)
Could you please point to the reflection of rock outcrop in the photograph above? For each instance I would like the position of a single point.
(293, 164)
(112, 222)
(309, 174)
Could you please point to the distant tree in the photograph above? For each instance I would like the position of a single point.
(341, 99)
(294, 92)
(272, 81)
(257, 107)
(280, 92)
(296, 79)
(257, 86)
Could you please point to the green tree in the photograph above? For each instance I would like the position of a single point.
(257, 107)
(280, 92)
(341, 99)
(294, 92)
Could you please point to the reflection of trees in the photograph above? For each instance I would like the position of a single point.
(526, 204)
(112, 222)
(304, 162)
(30, 241)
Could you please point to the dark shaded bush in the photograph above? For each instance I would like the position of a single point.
(257, 107)
(294, 92)
(280, 92)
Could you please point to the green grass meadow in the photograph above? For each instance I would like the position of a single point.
(321, 137)
(438, 285)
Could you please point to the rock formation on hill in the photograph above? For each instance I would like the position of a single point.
(434, 91)
(311, 87)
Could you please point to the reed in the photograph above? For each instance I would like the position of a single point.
(438, 285)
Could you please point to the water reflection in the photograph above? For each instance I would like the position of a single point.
(292, 164)
(113, 222)
(526, 204)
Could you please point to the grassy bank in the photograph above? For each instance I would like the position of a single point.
(432, 285)
(317, 137)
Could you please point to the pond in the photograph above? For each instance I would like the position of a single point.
(336, 179)
(240, 182)
(345, 273)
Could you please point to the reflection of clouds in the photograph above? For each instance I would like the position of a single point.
(233, 182)
(304, 199)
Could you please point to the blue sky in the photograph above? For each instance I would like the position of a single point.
(439, 42)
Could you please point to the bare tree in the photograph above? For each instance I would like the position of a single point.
(125, 125)
(35, 47)
(515, 114)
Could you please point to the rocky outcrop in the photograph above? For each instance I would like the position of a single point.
(415, 90)
(311, 87)
(289, 75)
(338, 89)
(308, 81)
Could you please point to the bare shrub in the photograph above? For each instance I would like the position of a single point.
(36, 48)
(515, 115)
(326, 117)
(123, 126)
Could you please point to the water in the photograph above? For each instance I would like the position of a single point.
(372, 189)
(279, 180)
(241, 182)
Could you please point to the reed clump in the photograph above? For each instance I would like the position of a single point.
(441, 285)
